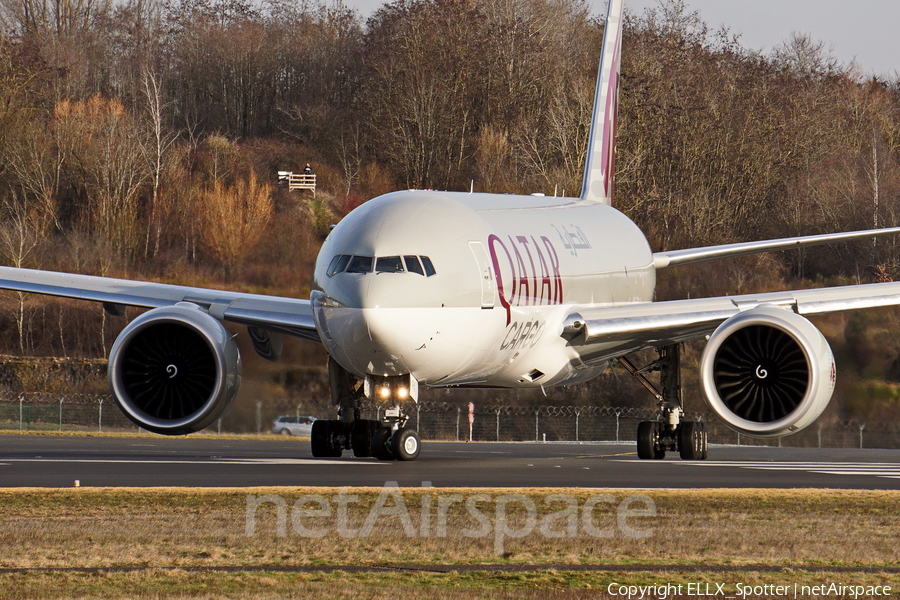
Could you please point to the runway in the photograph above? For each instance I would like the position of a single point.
(57, 461)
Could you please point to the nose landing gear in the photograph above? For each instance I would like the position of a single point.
(398, 444)
(390, 438)
(394, 439)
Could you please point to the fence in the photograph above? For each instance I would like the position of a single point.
(39, 411)
(522, 423)
(449, 421)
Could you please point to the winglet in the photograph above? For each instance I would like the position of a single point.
(599, 169)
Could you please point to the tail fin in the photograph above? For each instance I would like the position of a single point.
(599, 170)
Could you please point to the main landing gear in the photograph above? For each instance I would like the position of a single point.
(669, 432)
(390, 438)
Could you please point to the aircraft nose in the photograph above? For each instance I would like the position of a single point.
(373, 290)
(364, 340)
(347, 290)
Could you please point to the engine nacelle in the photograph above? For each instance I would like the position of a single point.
(174, 370)
(767, 372)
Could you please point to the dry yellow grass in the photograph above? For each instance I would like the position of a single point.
(89, 527)
(551, 585)
(164, 532)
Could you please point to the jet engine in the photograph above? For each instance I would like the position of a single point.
(767, 372)
(174, 370)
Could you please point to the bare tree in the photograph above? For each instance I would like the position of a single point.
(805, 57)
(110, 171)
(37, 160)
(21, 231)
(57, 18)
(155, 150)
(493, 155)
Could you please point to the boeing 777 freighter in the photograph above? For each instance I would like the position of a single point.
(428, 289)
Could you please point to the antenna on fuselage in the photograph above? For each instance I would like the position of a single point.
(599, 168)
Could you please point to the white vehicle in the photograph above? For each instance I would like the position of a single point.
(427, 289)
(293, 425)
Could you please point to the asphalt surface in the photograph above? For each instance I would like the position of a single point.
(57, 461)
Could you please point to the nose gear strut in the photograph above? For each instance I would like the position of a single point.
(388, 438)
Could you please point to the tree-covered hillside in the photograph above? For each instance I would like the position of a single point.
(141, 138)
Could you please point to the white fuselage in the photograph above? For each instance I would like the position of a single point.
(508, 271)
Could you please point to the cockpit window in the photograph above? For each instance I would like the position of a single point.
(429, 268)
(346, 263)
(338, 264)
(360, 264)
(413, 265)
(332, 268)
(388, 264)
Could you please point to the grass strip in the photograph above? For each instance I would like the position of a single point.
(173, 542)
(325, 584)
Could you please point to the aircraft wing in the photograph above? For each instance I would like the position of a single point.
(661, 323)
(676, 258)
(272, 313)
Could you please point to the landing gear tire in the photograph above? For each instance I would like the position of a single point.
(381, 444)
(405, 444)
(648, 445)
(325, 438)
(361, 437)
(692, 440)
(705, 441)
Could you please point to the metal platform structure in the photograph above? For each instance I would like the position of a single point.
(298, 181)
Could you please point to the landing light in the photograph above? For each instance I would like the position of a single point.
(402, 392)
(385, 392)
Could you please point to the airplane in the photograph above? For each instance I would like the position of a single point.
(423, 289)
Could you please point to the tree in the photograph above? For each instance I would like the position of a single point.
(155, 149)
(420, 81)
(109, 170)
(233, 218)
(804, 57)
